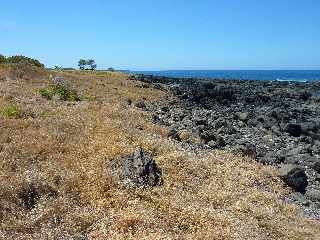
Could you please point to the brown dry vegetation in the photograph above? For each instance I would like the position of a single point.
(55, 160)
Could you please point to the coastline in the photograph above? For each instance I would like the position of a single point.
(276, 123)
(261, 75)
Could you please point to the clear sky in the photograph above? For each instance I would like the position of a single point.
(165, 34)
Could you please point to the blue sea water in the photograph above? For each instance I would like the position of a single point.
(275, 75)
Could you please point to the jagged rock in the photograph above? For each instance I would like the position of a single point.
(294, 129)
(141, 104)
(305, 95)
(200, 121)
(174, 134)
(244, 116)
(208, 136)
(218, 143)
(141, 170)
(316, 166)
(295, 177)
(165, 109)
(247, 149)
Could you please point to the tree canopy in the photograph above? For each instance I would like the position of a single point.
(85, 64)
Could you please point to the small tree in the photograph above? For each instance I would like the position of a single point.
(58, 68)
(110, 69)
(93, 67)
(92, 64)
(82, 63)
(3, 59)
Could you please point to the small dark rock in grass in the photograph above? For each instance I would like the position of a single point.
(218, 143)
(174, 134)
(141, 170)
(129, 101)
(248, 149)
(141, 104)
(31, 193)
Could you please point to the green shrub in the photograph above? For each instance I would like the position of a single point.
(25, 60)
(47, 93)
(3, 59)
(61, 91)
(11, 111)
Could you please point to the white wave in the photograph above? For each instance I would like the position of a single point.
(292, 80)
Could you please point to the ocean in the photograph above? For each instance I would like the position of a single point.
(274, 75)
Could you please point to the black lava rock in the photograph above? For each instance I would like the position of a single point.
(140, 170)
(294, 177)
(141, 104)
(294, 130)
(316, 166)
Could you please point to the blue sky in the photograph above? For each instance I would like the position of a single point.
(166, 34)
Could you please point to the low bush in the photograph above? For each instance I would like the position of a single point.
(11, 111)
(61, 91)
(21, 59)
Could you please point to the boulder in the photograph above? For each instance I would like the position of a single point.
(316, 166)
(294, 130)
(200, 121)
(305, 95)
(295, 177)
(174, 134)
(248, 149)
(141, 104)
(140, 170)
(165, 109)
(218, 143)
(243, 116)
(220, 122)
(208, 135)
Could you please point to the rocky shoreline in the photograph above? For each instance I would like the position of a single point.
(276, 123)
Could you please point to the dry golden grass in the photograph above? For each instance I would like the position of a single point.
(66, 149)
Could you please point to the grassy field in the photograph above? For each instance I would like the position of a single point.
(56, 182)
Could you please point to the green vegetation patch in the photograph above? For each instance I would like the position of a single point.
(60, 91)
(11, 111)
(21, 59)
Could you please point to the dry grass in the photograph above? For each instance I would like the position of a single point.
(61, 152)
